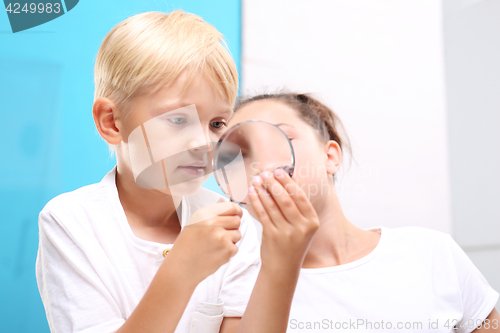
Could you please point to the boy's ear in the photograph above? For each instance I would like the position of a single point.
(333, 155)
(105, 113)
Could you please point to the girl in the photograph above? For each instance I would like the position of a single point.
(383, 279)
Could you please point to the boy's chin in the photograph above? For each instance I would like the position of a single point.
(185, 188)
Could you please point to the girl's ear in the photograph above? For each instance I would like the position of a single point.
(333, 155)
(105, 113)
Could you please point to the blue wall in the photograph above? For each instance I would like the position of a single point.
(49, 144)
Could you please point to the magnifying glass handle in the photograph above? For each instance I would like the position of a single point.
(227, 184)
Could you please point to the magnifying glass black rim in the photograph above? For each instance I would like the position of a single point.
(231, 131)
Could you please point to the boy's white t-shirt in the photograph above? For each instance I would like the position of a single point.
(414, 276)
(92, 270)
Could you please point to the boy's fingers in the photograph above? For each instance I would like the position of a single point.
(234, 235)
(227, 222)
(296, 193)
(230, 208)
(218, 209)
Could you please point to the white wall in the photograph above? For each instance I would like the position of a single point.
(472, 49)
(379, 64)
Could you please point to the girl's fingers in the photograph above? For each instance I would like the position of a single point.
(268, 203)
(296, 193)
(259, 209)
(282, 198)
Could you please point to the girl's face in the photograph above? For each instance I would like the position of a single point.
(313, 166)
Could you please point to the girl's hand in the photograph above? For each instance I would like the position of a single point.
(288, 219)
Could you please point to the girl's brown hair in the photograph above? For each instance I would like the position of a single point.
(320, 117)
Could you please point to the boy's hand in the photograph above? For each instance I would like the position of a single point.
(288, 219)
(207, 241)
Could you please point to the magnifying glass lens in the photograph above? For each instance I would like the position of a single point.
(245, 151)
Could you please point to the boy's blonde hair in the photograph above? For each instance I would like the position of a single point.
(150, 50)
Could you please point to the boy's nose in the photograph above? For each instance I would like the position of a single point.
(199, 143)
(204, 148)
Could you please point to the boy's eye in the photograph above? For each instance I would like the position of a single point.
(177, 121)
(218, 124)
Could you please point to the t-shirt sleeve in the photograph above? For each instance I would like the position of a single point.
(478, 297)
(74, 297)
(242, 271)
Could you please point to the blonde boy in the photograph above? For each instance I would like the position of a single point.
(116, 256)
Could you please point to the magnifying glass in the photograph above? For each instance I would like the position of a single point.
(246, 150)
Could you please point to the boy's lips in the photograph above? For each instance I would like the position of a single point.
(200, 164)
(195, 168)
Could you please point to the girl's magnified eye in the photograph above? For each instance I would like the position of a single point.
(178, 121)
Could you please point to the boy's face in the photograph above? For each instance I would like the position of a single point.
(167, 135)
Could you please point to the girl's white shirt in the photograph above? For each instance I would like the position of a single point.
(415, 280)
(92, 270)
